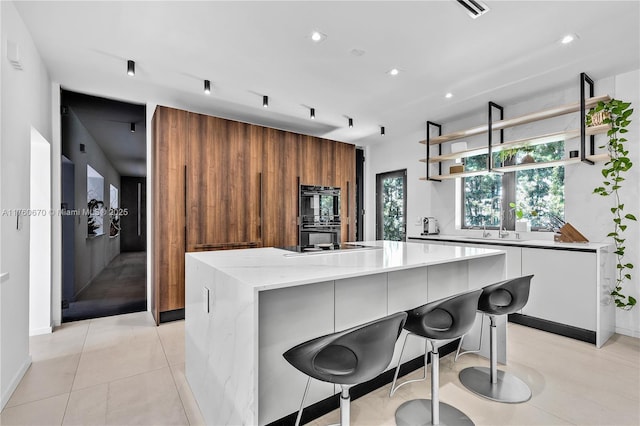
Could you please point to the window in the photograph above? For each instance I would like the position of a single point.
(538, 193)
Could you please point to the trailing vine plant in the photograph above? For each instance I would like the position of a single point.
(617, 114)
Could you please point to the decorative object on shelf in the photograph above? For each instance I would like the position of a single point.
(597, 118)
(458, 168)
(527, 158)
(617, 114)
(507, 156)
(573, 154)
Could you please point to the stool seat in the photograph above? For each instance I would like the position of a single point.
(505, 297)
(348, 357)
(502, 298)
(438, 322)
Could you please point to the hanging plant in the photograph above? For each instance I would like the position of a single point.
(617, 114)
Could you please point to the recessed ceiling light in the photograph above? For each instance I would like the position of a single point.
(394, 71)
(317, 36)
(569, 38)
(449, 95)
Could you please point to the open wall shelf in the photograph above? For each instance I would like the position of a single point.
(517, 121)
(532, 141)
(586, 154)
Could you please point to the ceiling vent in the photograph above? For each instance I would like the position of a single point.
(474, 8)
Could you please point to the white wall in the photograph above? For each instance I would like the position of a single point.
(25, 103)
(91, 254)
(40, 236)
(587, 212)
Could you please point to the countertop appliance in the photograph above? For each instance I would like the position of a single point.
(327, 247)
(430, 226)
(319, 215)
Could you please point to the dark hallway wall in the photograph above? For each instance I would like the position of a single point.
(133, 195)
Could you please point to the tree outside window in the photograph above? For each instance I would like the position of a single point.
(538, 193)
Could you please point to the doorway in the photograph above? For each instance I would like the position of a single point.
(391, 206)
(103, 194)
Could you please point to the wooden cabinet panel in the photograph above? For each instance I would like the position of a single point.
(169, 138)
(280, 188)
(223, 183)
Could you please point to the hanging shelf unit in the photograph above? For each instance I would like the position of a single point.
(583, 132)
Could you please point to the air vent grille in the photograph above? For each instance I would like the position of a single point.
(474, 8)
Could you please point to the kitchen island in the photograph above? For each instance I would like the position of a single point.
(244, 308)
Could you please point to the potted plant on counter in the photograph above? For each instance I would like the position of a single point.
(617, 114)
(522, 223)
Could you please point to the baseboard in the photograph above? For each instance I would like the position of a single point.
(6, 394)
(554, 327)
(175, 315)
(39, 331)
(327, 405)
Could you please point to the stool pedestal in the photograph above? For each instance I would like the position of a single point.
(508, 388)
(492, 383)
(420, 412)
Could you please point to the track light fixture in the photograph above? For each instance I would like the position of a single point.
(265, 101)
(350, 123)
(207, 87)
(312, 113)
(133, 127)
(131, 67)
(382, 130)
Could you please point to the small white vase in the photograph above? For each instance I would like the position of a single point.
(523, 226)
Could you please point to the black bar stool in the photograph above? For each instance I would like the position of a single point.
(348, 357)
(439, 322)
(505, 297)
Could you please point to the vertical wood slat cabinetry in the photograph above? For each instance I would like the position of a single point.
(170, 137)
(222, 184)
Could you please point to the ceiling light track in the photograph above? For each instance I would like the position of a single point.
(131, 67)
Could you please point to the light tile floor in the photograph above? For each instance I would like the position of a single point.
(123, 370)
(119, 370)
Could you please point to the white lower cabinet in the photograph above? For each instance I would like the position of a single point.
(569, 287)
(564, 286)
(514, 256)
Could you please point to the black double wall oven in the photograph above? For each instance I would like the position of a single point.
(319, 215)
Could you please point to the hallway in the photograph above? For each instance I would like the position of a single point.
(119, 289)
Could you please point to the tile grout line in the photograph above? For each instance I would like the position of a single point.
(66, 407)
(173, 377)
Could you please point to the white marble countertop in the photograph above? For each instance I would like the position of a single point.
(524, 242)
(270, 268)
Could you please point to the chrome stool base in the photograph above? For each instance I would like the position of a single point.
(417, 412)
(508, 388)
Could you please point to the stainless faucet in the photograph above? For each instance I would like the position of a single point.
(485, 234)
(502, 233)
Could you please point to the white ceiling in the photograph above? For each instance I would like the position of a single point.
(251, 49)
